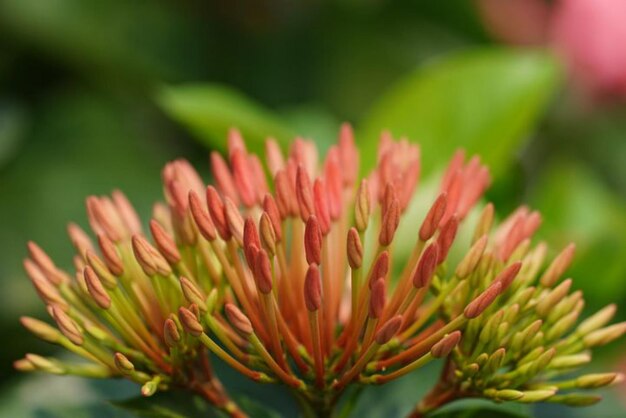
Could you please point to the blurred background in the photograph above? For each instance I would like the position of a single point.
(99, 95)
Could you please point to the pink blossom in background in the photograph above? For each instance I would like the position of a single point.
(591, 36)
(588, 35)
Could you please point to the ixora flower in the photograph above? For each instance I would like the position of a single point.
(295, 282)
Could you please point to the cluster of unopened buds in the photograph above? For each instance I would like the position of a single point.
(295, 281)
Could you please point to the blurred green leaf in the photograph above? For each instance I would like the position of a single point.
(12, 127)
(178, 404)
(142, 41)
(173, 404)
(576, 206)
(398, 397)
(48, 396)
(478, 413)
(485, 101)
(254, 409)
(208, 111)
(313, 122)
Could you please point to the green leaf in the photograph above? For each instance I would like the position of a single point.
(12, 127)
(179, 404)
(138, 42)
(486, 101)
(313, 122)
(208, 111)
(173, 404)
(576, 206)
(477, 413)
(254, 409)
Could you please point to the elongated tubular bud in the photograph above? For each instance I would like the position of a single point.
(482, 301)
(234, 220)
(253, 252)
(100, 268)
(165, 244)
(390, 222)
(269, 206)
(380, 267)
(446, 238)
(605, 335)
(79, 238)
(268, 235)
(348, 154)
(509, 274)
(388, 330)
(175, 190)
(250, 239)
(201, 217)
(243, 177)
(446, 345)
(558, 266)
(127, 211)
(547, 302)
(426, 266)
(313, 289)
(595, 380)
(354, 249)
(151, 386)
(40, 329)
(45, 263)
(238, 319)
(320, 201)
(334, 183)
(258, 177)
(597, 320)
(45, 364)
(150, 260)
(223, 177)
(377, 298)
(111, 255)
(171, 335)
(313, 241)
(67, 325)
(483, 226)
(235, 141)
(193, 294)
(433, 217)
(263, 272)
(454, 165)
(217, 212)
(304, 194)
(570, 361)
(46, 291)
(362, 206)
(190, 322)
(273, 156)
(513, 237)
(122, 363)
(472, 258)
(533, 221)
(286, 201)
(95, 288)
(103, 217)
(504, 394)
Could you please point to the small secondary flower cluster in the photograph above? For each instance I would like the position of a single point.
(295, 281)
(527, 338)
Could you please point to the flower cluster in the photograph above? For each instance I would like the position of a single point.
(523, 343)
(295, 281)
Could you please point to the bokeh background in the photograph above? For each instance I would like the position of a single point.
(97, 95)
